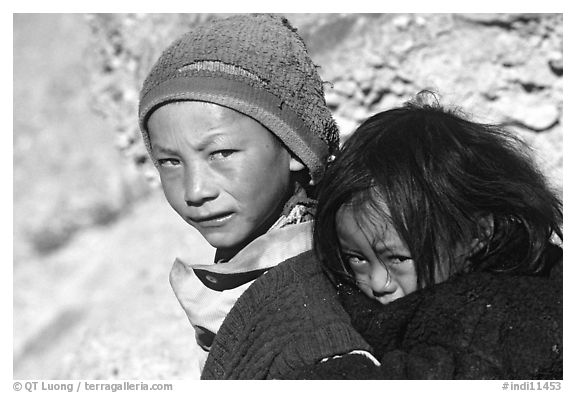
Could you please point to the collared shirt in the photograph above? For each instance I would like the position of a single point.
(207, 292)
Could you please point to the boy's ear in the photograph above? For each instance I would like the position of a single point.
(485, 231)
(295, 164)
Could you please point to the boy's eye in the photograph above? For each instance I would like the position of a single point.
(220, 154)
(168, 162)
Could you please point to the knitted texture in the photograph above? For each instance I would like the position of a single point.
(477, 326)
(288, 319)
(257, 65)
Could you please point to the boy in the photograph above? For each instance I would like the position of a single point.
(234, 117)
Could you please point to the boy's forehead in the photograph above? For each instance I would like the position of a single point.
(229, 113)
(200, 112)
(215, 111)
(211, 119)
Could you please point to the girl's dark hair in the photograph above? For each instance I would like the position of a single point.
(439, 174)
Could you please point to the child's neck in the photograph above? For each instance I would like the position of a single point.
(223, 255)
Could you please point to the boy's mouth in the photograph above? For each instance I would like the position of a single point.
(211, 220)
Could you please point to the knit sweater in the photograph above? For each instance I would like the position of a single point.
(288, 318)
(476, 326)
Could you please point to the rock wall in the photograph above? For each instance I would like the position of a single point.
(503, 68)
(67, 175)
(500, 68)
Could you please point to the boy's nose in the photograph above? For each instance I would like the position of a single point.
(199, 186)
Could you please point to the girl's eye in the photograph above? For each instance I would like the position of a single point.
(220, 154)
(398, 259)
(354, 260)
(168, 162)
(357, 264)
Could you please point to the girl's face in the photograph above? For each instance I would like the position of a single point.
(381, 262)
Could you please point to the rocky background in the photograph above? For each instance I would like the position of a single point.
(93, 239)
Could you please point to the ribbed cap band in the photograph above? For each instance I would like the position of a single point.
(256, 65)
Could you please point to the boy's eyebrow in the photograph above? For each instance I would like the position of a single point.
(162, 149)
(209, 139)
(212, 138)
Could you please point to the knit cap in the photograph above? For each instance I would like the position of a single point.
(257, 65)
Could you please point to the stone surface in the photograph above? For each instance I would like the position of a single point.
(102, 307)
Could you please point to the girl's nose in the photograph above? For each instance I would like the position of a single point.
(381, 281)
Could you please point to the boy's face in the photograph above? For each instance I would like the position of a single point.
(223, 172)
(380, 261)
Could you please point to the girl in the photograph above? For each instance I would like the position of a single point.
(437, 230)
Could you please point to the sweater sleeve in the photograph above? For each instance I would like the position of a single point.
(352, 366)
(326, 342)
(426, 363)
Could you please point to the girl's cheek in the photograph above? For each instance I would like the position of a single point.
(366, 290)
(362, 283)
